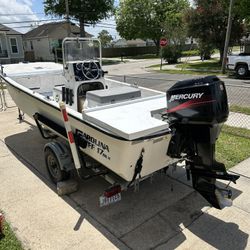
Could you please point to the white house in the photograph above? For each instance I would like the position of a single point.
(11, 45)
(43, 39)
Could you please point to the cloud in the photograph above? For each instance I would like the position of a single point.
(21, 10)
(16, 11)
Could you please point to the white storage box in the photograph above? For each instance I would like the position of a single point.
(109, 96)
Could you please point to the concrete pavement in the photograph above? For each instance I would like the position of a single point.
(154, 218)
(132, 67)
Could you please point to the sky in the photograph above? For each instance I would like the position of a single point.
(20, 14)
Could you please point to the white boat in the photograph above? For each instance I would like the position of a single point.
(126, 128)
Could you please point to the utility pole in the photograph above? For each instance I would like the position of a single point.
(229, 27)
(67, 17)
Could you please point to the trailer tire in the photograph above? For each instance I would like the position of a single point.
(53, 166)
(241, 71)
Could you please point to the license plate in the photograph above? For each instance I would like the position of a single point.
(105, 201)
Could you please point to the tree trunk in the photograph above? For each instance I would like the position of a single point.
(221, 54)
(82, 27)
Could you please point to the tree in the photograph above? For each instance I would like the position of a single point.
(205, 49)
(243, 7)
(207, 21)
(85, 11)
(105, 38)
(147, 19)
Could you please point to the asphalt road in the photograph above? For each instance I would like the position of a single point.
(238, 90)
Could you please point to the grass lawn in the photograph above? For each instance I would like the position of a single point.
(205, 65)
(239, 109)
(111, 62)
(210, 67)
(233, 146)
(9, 241)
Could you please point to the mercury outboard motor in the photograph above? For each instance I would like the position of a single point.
(197, 108)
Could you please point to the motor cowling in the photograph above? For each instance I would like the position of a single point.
(197, 109)
(198, 101)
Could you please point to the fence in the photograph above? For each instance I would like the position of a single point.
(115, 52)
(238, 100)
(124, 51)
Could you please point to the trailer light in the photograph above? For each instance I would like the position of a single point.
(112, 191)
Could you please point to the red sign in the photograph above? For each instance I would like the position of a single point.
(163, 42)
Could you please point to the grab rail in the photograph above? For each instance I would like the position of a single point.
(3, 102)
(3, 105)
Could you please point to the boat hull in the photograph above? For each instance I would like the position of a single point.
(117, 154)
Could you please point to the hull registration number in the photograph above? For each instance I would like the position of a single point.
(105, 201)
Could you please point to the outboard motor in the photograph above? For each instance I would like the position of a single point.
(197, 108)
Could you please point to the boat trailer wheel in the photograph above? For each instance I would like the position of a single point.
(53, 166)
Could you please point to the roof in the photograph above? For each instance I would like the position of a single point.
(48, 28)
(8, 30)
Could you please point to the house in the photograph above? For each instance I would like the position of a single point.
(11, 45)
(40, 43)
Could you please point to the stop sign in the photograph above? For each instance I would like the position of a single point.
(163, 42)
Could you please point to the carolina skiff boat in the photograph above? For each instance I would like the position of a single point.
(126, 128)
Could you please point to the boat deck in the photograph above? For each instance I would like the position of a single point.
(129, 118)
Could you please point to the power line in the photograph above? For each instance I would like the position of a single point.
(110, 24)
(32, 21)
(30, 26)
(102, 26)
(22, 14)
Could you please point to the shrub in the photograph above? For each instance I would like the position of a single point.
(206, 50)
(172, 53)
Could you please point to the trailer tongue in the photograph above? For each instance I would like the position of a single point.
(196, 111)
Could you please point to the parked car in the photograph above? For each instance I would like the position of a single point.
(240, 64)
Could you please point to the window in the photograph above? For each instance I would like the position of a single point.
(1, 50)
(31, 45)
(13, 44)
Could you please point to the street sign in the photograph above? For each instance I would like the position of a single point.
(163, 42)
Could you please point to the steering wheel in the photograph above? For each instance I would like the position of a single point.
(90, 70)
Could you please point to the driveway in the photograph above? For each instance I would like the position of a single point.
(164, 214)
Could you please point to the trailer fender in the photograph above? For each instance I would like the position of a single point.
(63, 155)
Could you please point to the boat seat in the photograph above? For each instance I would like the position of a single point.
(83, 89)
